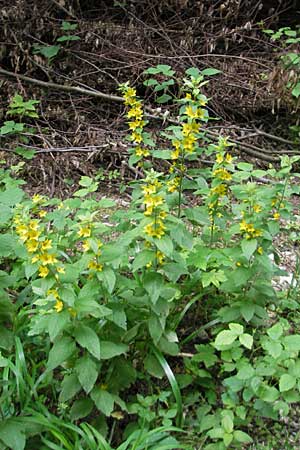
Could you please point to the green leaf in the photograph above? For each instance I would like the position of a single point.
(81, 408)
(275, 332)
(247, 310)
(60, 352)
(242, 437)
(155, 328)
(268, 394)
(70, 387)
(56, 323)
(143, 258)
(193, 72)
(214, 277)
(164, 98)
(12, 434)
(248, 247)
(87, 372)
(111, 349)
(227, 424)
(165, 245)
(286, 382)
(236, 328)
(153, 367)
(292, 342)
(11, 196)
(109, 278)
(26, 153)
(49, 51)
(103, 400)
(225, 337)
(87, 338)
(153, 284)
(210, 71)
(68, 37)
(246, 340)
(296, 90)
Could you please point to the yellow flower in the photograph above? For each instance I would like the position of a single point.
(160, 257)
(140, 151)
(93, 265)
(136, 124)
(47, 258)
(257, 208)
(86, 246)
(155, 230)
(228, 158)
(54, 293)
(188, 128)
(260, 250)
(136, 137)
(191, 112)
(33, 234)
(188, 96)
(61, 270)
(276, 215)
(35, 259)
(219, 158)
(84, 231)
(222, 174)
(37, 198)
(173, 184)
(42, 213)
(58, 306)
(220, 190)
(34, 225)
(46, 244)
(32, 246)
(43, 271)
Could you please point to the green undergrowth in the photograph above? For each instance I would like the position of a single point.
(160, 328)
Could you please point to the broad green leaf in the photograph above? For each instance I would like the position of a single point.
(210, 71)
(214, 277)
(227, 424)
(109, 278)
(81, 408)
(87, 372)
(248, 247)
(103, 400)
(60, 352)
(12, 434)
(236, 328)
(153, 284)
(11, 196)
(7, 244)
(57, 323)
(246, 340)
(247, 310)
(155, 328)
(165, 245)
(225, 337)
(70, 387)
(275, 332)
(143, 258)
(268, 394)
(286, 382)
(292, 342)
(87, 338)
(242, 437)
(111, 349)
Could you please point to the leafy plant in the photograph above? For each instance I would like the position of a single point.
(126, 324)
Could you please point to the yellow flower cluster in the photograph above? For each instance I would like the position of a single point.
(30, 234)
(154, 203)
(58, 302)
(173, 184)
(136, 121)
(85, 231)
(249, 231)
(222, 174)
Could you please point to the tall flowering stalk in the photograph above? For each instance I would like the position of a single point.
(186, 141)
(136, 122)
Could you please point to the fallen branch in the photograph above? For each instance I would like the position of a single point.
(62, 87)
